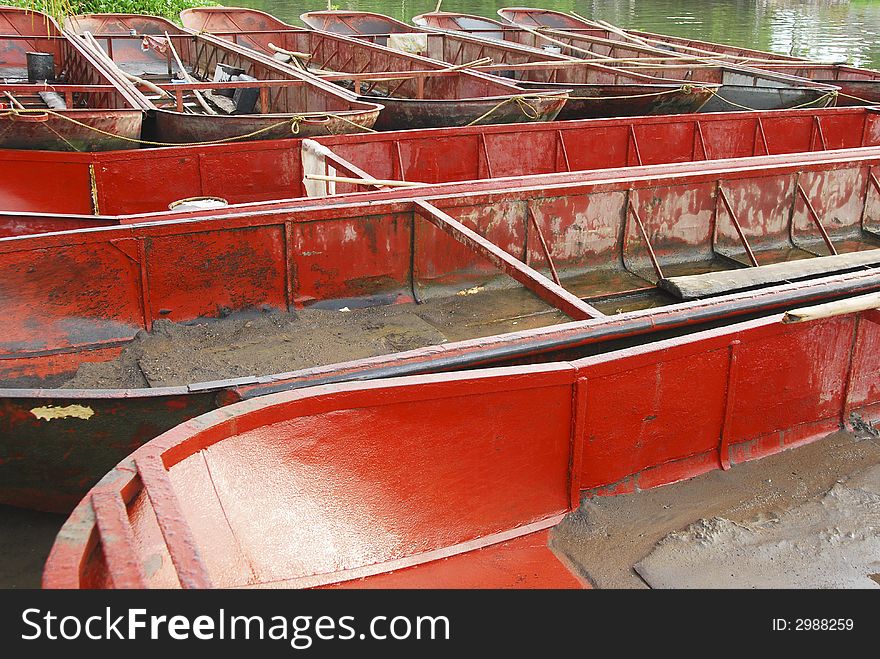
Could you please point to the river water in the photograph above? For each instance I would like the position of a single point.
(827, 30)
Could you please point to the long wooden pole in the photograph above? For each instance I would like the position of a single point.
(14, 101)
(201, 99)
(88, 36)
(365, 181)
(836, 308)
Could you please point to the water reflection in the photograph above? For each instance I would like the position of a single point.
(827, 30)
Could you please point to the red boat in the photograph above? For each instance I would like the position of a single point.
(448, 480)
(73, 103)
(473, 266)
(595, 90)
(111, 184)
(571, 22)
(204, 105)
(857, 86)
(415, 92)
(741, 87)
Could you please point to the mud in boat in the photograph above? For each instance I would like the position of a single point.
(637, 254)
(223, 93)
(110, 184)
(446, 480)
(740, 88)
(415, 92)
(596, 90)
(65, 100)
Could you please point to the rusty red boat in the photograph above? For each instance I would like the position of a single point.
(856, 85)
(415, 92)
(572, 22)
(201, 89)
(55, 95)
(595, 90)
(482, 273)
(107, 184)
(741, 87)
(446, 481)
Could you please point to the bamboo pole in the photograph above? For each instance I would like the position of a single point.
(364, 181)
(14, 101)
(201, 99)
(477, 62)
(836, 308)
(292, 53)
(88, 36)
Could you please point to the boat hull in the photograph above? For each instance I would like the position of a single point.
(458, 98)
(731, 99)
(597, 101)
(112, 183)
(717, 399)
(399, 113)
(216, 266)
(98, 130)
(290, 102)
(857, 92)
(180, 128)
(97, 112)
(548, 18)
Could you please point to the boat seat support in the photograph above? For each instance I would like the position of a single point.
(545, 289)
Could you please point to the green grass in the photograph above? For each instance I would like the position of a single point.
(59, 8)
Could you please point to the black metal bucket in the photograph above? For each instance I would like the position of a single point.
(40, 66)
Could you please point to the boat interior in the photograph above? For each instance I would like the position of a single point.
(462, 265)
(326, 54)
(60, 76)
(184, 71)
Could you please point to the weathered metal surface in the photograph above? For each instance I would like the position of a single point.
(462, 451)
(857, 85)
(537, 17)
(144, 272)
(73, 437)
(413, 97)
(111, 183)
(296, 104)
(607, 88)
(447, 20)
(741, 87)
(354, 23)
(100, 113)
(117, 281)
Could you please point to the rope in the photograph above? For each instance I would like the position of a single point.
(857, 98)
(525, 107)
(294, 123)
(825, 97)
(532, 113)
(687, 89)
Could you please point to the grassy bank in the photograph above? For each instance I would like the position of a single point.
(60, 8)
